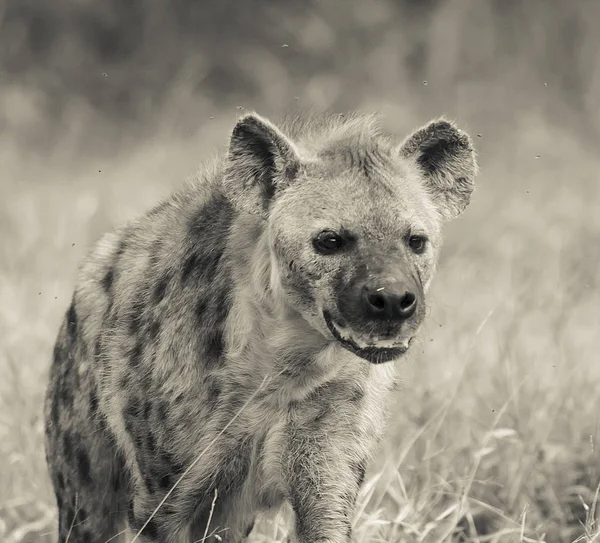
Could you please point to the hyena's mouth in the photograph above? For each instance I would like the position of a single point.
(371, 348)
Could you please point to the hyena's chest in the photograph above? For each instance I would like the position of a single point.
(344, 404)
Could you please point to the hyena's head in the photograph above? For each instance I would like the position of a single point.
(353, 218)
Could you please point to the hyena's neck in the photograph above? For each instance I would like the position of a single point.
(266, 338)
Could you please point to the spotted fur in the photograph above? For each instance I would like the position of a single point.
(216, 300)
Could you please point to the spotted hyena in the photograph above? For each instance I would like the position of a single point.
(238, 341)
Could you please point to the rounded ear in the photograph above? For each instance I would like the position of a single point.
(447, 160)
(261, 160)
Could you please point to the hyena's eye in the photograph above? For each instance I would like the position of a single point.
(328, 242)
(417, 244)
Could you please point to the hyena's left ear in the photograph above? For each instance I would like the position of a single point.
(261, 160)
(447, 160)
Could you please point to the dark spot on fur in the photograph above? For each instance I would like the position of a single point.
(119, 473)
(167, 470)
(135, 356)
(151, 443)
(160, 290)
(134, 408)
(148, 477)
(147, 410)
(68, 448)
(83, 465)
(213, 391)
(72, 323)
(172, 464)
(93, 401)
(60, 482)
(297, 365)
(163, 410)
(70, 518)
(357, 395)
(235, 468)
(58, 351)
(120, 249)
(214, 216)
(211, 267)
(107, 280)
(322, 414)
(154, 330)
(124, 380)
(201, 308)
(151, 529)
(291, 171)
(98, 348)
(188, 266)
(212, 348)
(131, 414)
(54, 412)
(131, 513)
(101, 420)
(203, 265)
(136, 314)
(82, 516)
(146, 381)
(164, 481)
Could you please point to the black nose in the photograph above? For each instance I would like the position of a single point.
(386, 303)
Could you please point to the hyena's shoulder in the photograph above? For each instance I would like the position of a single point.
(139, 273)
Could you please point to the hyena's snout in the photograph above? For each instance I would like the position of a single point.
(381, 305)
(387, 300)
(377, 315)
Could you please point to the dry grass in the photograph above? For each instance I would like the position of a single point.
(496, 430)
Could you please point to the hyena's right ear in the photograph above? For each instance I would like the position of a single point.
(261, 160)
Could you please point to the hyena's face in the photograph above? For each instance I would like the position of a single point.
(354, 223)
(356, 251)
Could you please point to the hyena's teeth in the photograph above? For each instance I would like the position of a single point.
(388, 343)
(363, 340)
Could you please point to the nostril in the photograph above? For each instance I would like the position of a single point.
(407, 303)
(376, 300)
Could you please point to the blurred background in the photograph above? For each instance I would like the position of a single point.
(106, 106)
(111, 71)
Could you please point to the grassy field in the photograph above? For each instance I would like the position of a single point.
(497, 425)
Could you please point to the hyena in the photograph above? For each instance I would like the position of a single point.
(233, 348)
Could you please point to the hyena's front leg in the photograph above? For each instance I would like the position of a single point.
(324, 468)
